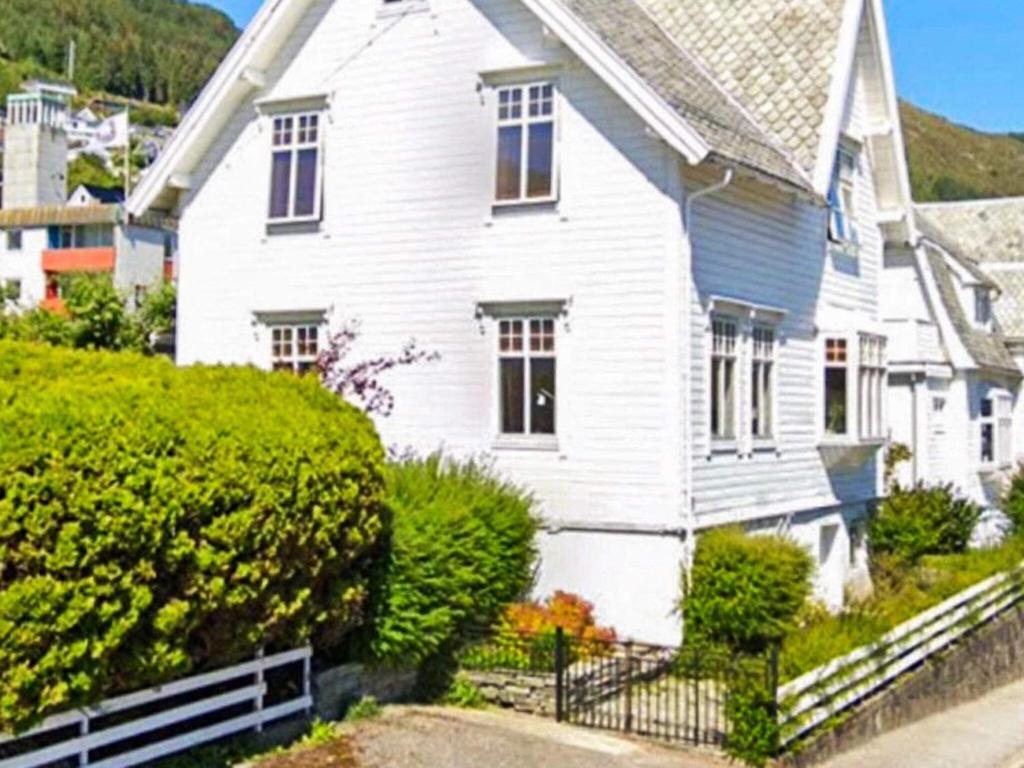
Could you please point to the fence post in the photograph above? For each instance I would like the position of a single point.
(83, 731)
(559, 675)
(629, 686)
(307, 678)
(259, 690)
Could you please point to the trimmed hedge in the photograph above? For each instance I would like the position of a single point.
(922, 520)
(1013, 502)
(155, 521)
(744, 592)
(462, 549)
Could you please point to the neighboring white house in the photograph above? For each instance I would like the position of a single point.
(955, 306)
(646, 237)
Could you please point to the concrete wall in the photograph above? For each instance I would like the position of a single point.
(35, 166)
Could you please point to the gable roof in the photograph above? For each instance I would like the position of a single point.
(991, 234)
(104, 195)
(776, 56)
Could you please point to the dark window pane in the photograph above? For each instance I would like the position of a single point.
(716, 372)
(512, 375)
(988, 453)
(305, 183)
(280, 181)
(542, 396)
(510, 150)
(835, 401)
(541, 155)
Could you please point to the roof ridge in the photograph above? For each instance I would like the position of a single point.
(767, 136)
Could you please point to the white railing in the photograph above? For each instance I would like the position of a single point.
(91, 735)
(813, 698)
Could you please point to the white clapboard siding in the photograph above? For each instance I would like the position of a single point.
(90, 739)
(814, 697)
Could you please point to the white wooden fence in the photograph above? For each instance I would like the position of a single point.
(90, 738)
(809, 700)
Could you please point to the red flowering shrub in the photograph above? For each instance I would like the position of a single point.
(571, 612)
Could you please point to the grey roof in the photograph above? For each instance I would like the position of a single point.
(105, 195)
(988, 349)
(775, 56)
(634, 36)
(990, 233)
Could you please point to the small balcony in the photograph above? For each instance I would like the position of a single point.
(60, 260)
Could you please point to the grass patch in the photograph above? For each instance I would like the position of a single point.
(900, 594)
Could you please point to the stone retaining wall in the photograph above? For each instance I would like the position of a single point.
(336, 688)
(987, 658)
(529, 692)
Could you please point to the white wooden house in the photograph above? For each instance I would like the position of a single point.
(646, 236)
(953, 306)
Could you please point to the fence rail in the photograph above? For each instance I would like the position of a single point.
(814, 697)
(177, 716)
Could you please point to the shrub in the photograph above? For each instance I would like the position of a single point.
(366, 708)
(1013, 502)
(155, 521)
(744, 591)
(462, 550)
(752, 712)
(918, 521)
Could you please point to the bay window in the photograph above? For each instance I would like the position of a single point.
(723, 378)
(872, 386)
(836, 381)
(526, 143)
(854, 387)
(295, 168)
(527, 375)
(996, 425)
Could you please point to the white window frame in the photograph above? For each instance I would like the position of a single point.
(287, 337)
(866, 369)
(549, 331)
(524, 120)
(295, 146)
(724, 348)
(843, 229)
(763, 374)
(1000, 421)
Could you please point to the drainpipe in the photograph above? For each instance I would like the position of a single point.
(687, 358)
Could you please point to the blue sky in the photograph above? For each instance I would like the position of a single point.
(960, 58)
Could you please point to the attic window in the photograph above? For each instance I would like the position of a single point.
(842, 209)
(982, 307)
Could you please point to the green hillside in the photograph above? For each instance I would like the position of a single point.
(952, 162)
(159, 51)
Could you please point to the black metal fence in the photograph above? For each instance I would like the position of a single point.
(671, 694)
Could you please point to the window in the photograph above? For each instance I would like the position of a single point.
(526, 143)
(81, 236)
(872, 386)
(723, 378)
(836, 395)
(294, 348)
(982, 306)
(762, 372)
(527, 372)
(295, 168)
(842, 226)
(14, 240)
(996, 424)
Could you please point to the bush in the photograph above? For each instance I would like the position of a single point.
(744, 591)
(462, 550)
(1013, 502)
(913, 522)
(155, 521)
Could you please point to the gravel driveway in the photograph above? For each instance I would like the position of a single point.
(445, 738)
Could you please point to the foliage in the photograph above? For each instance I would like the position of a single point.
(895, 454)
(319, 733)
(952, 162)
(156, 521)
(744, 591)
(1013, 502)
(464, 693)
(157, 50)
(462, 549)
(751, 711)
(360, 381)
(366, 708)
(912, 522)
(95, 317)
(902, 593)
(92, 170)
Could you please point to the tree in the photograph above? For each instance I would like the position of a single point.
(89, 169)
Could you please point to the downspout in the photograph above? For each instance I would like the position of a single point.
(686, 321)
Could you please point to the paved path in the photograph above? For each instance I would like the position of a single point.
(986, 733)
(445, 738)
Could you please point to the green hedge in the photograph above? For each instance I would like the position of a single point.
(744, 591)
(155, 521)
(922, 520)
(1013, 502)
(462, 549)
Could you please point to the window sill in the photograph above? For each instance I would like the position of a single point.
(524, 207)
(994, 469)
(401, 7)
(846, 248)
(850, 441)
(545, 443)
(293, 226)
(723, 447)
(765, 445)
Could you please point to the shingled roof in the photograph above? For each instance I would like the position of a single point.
(669, 68)
(774, 56)
(990, 233)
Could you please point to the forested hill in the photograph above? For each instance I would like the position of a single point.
(160, 51)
